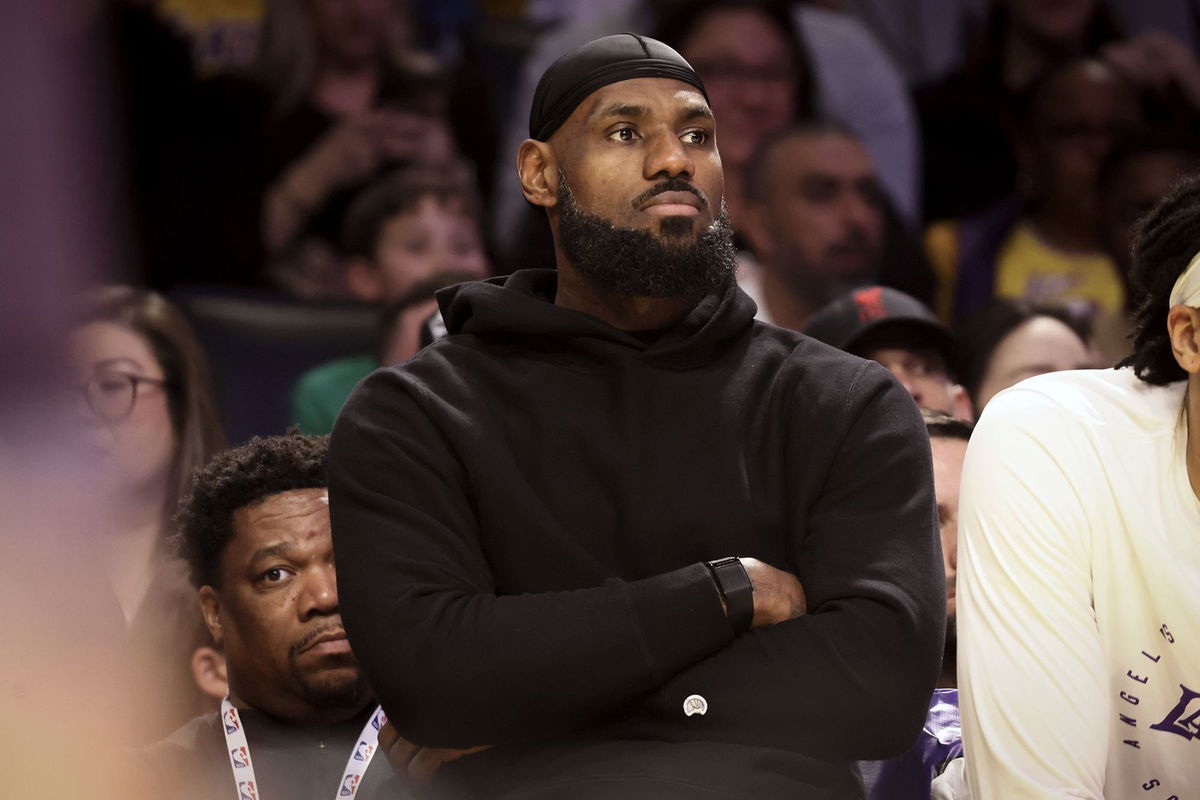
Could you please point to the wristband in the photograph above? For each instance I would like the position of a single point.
(735, 586)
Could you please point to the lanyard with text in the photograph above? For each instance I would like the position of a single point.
(243, 769)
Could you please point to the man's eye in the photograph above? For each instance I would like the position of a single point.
(624, 135)
(695, 137)
(274, 575)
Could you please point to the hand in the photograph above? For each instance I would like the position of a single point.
(1156, 60)
(778, 595)
(348, 153)
(417, 764)
(409, 136)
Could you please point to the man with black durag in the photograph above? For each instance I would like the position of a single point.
(636, 542)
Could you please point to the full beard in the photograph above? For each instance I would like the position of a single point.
(631, 262)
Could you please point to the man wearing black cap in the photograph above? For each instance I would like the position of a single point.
(902, 334)
(587, 525)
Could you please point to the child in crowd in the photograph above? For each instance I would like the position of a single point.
(407, 236)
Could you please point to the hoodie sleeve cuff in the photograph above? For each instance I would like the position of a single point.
(681, 618)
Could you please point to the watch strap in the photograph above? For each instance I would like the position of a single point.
(734, 584)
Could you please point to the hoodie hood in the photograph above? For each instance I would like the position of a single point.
(522, 305)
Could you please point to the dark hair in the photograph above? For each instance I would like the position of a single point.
(675, 21)
(981, 333)
(237, 478)
(189, 386)
(940, 425)
(1031, 105)
(1164, 241)
(756, 168)
(397, 193)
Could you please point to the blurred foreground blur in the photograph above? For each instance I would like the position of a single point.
(60, 225)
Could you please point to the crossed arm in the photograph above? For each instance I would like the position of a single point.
(459, 665)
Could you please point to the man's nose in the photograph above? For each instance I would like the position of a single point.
(319, 593)
(668, 156)
(859, 214)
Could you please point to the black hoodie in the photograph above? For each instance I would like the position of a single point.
(521, 513)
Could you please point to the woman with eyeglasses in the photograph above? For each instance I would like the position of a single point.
(150, 421)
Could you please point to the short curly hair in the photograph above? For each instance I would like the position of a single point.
(1164, 242)
(237, 478)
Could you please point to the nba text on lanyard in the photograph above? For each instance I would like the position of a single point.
(243, 767)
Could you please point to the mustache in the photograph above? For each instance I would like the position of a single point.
(670, 185)
(300, 645)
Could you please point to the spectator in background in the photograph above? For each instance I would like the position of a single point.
(1078, 516)
(969, 118)
(298, 716)
(814, 220)
(335, 98)
(1008, 341)
(407, 227)
(1138, 172)
(756, 69)
(407, 236)
(1044, 245)
(151, 420)
(970, 121)
(818, 223)
(910, 776)
(405, 326)
(902, 334)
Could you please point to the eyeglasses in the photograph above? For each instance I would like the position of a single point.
(111, 395)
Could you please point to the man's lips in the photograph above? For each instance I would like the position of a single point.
(680, 204)
(328, 643)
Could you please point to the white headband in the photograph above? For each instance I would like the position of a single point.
(1186, 290)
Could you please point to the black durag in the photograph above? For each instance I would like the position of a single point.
(620, 57)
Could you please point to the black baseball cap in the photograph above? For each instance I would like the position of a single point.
(873, 317)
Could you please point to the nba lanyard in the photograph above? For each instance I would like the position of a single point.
(243, 769)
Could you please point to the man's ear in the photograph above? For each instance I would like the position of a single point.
(210, 607)
(208, 670)
(537, 168)
(960, 401)
(1183, 326)
(363, 280)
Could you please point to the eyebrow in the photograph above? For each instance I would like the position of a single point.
(280, 549)
(620, 110)
(693, 111)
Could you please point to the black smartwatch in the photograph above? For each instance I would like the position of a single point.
(731, 578)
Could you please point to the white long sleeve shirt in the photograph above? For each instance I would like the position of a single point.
(1079, 593)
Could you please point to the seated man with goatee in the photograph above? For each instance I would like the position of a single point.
(641, 544)
(298, 722)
